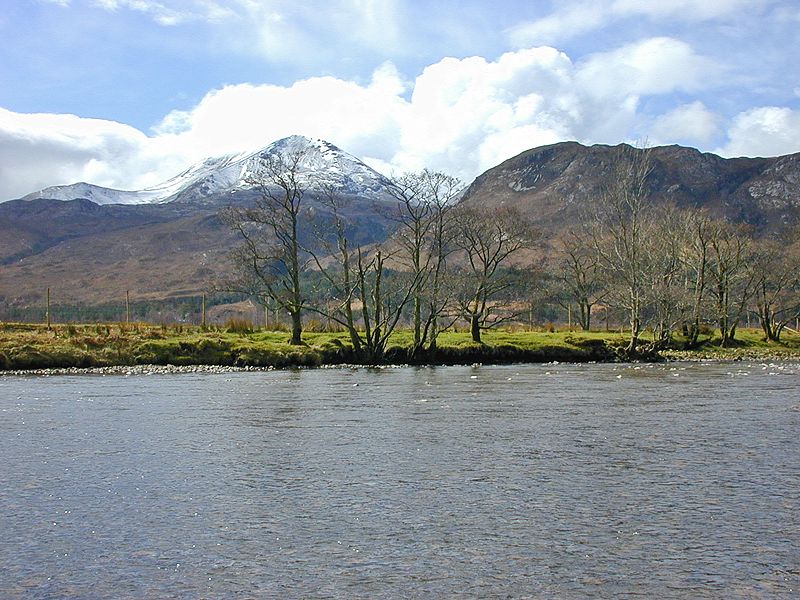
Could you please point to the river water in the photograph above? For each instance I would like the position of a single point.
(535, 481)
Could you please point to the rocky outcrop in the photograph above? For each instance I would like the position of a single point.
(555, 185)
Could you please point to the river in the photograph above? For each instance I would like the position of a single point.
(522, 481)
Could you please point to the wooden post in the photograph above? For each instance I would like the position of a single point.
(203, 317)
(606, 318)
(530, 317)
(266, 314)
(47, 312)
(127, 307)
(569, 316)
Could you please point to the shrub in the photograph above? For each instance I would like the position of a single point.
(242, 326)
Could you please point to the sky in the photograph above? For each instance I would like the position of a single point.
(128, 93)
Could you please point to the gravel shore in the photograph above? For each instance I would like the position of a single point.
(138, 370)
(127, 370)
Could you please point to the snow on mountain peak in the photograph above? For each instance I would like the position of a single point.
(320, 162)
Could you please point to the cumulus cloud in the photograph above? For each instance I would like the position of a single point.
(39, 150)
(653, 66)
(693, 124)
(460, 116)
(763, 131)
(248, 116)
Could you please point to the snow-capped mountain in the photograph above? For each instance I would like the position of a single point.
(321, 163)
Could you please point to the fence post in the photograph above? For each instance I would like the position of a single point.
(47, 312)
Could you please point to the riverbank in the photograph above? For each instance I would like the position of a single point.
(142, 348)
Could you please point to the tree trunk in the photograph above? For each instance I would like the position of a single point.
(586, 314)
(634, 339)
(693, 333)
(297, 328)
(475, 328)
(432, 344)
(417, 321)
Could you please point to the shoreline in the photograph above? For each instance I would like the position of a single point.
(142, 349)
(154, 369)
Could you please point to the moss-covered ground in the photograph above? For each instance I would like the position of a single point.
(26, 346)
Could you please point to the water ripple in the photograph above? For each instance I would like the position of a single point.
(562, 481)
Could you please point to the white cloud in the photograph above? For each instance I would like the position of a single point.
(460, 116)
(463, 111)
(653, 66)
(763, 131)
(39, 150)
(246, 116)
(692, 124)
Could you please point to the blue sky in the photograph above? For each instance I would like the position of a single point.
(126, 93)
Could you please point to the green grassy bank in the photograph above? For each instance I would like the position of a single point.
(25, 346)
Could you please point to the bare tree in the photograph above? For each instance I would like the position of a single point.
(339, 272)
(271, 259)
(424, 233)
(777, 286)
(486, 242)
(363, 296)
(696, 232)
(667, 297)
(580, 274)
(731, 278)
(382, 304)
(621, 219)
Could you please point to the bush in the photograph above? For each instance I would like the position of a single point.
(242, 326)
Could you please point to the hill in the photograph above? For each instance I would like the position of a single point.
(554, 185)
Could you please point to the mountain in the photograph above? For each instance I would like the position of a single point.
(554, 185)
(91, 244)
(212, 181)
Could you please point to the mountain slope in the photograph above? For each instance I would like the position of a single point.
(554, 185)
(213, 180)
(176, 246)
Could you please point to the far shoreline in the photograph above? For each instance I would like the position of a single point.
(131, 349)
(143, 370)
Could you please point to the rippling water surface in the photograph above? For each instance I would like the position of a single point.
(554, 481)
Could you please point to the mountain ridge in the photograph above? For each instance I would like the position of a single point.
(553, 184)
(213, 178)
(90, 253)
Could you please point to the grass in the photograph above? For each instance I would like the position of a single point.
(30, 346)
(749, 343)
